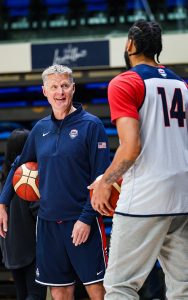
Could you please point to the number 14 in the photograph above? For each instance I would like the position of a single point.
(176, 111)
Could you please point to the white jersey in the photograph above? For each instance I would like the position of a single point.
(157, 184)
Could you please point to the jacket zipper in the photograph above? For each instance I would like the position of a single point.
(58, 135)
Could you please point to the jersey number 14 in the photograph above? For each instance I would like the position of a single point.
(176, 110)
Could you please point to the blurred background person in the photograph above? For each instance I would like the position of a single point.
(18, 248)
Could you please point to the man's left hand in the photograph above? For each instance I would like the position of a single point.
(80, 233)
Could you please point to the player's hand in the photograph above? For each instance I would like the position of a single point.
(3, 221)
(80, 233)
(101, 196)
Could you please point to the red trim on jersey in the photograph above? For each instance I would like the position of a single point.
(103, 238)
(126, 94)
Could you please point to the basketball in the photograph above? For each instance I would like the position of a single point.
(116, 189)
(25, 181)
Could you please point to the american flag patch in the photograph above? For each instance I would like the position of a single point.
(101, 145)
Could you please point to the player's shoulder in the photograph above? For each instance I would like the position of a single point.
(127, 76)
(146, 71)
(173, 75)
(127, 81)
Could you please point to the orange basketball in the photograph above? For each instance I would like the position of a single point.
(25, 181)
(116, 189)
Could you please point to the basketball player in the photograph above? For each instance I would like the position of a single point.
(71, 149)
(149, 105)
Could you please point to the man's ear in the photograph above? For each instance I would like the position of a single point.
(43, 90)
(130, 44)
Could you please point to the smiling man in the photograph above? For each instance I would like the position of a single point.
(66, 146)
(59, 90)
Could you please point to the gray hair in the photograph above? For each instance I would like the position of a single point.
(56, 69)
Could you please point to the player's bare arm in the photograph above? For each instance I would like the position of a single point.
(3, 221)
(126, 154)
(123, 167)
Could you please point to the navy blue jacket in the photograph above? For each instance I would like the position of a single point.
(70, 156)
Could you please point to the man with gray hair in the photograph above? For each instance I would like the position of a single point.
(59, 69)
(71, 149)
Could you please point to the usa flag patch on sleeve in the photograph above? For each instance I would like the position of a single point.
(101, 145)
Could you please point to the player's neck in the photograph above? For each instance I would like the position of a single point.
(151, 63)
(143, 60)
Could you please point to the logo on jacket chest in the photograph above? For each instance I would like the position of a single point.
(73, 133)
